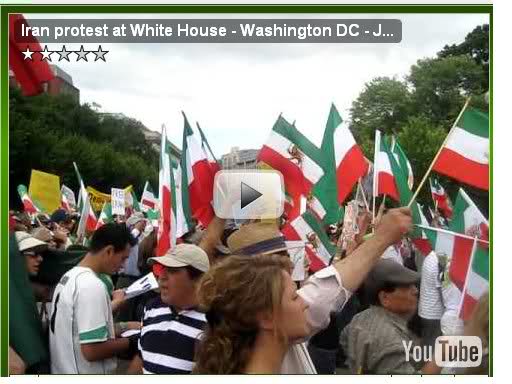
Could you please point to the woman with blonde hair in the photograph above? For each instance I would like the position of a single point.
(254, 314)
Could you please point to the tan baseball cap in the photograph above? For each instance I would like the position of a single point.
(183, 255)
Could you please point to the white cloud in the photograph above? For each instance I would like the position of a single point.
(236, 91)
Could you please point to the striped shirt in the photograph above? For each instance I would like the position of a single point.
(431, 302)
(168, 338)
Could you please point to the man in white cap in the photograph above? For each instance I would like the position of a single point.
(172, 324)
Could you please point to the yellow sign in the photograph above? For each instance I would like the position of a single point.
(45, 189)
(98, 198)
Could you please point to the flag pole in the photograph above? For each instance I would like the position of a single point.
(438, 153)
(364, 195)
(375, 171)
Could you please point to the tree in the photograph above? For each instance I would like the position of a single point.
(440, 87)
(48, 133)
(476, 46)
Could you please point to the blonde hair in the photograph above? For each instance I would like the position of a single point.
(233, 293)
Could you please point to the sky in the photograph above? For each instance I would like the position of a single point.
(237, 91)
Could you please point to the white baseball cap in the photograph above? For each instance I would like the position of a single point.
(26, 242)
(183, 255)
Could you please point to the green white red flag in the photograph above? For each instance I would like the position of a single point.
(343, 155)
(465, 156)
(291, 153)
(477, 280)
(384, 179)
(29, 205)
(319, 249)
(88, 220)
(442, 199)
(208, 151)
(148, 199)
(457, 248)
(67, 198)
(468, 219)
(197, 176)
(105, 215)
(83, 191)
(403, 161)
(166, 237)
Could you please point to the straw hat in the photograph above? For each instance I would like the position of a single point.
(257, 238)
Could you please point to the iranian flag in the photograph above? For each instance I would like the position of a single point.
(134, 201)
(468, 219)
(422, 242)
(31, 72)
(477, 280)
(88, 221)
(343, 155)
(383, 177)
(318, 246)
(442, 199)
(83, 191)
(67, 198)
(403, 161)
(465, 156)
(105, 215)
(291, 153)
(208, 151)
(148, 199)
(166, 238)
(197, 177)
(182, 226)
(457, 248)
(28, 205)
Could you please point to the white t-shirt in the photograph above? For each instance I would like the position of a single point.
(431, 303)
(451, 323)
(81, 313)
(393, 254)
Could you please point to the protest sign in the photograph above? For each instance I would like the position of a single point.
(45, 189)
(118, 201)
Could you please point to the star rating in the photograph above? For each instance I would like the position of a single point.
(63, 54)
(81, 54)
(100, 54)
(28, 54)
(45, 54)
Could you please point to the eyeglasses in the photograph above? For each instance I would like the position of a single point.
(30, 254)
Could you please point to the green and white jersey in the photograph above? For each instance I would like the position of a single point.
(81, 313)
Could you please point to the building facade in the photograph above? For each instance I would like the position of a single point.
(240, 159)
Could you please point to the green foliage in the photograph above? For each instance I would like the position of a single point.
(421, 109)
(48, 133)
(442, 85)
(384, 104)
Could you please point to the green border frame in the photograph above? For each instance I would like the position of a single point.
(194, 8)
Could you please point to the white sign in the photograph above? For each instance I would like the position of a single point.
(143, 285)
(297, 252)
(117, 196)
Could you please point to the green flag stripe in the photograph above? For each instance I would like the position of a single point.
(457, 223)
(315, 226)
(285, 129)
(403, 189)
(481, 263)
(98, 334)
(475, 122)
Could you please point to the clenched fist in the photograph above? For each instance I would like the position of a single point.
(394, 225)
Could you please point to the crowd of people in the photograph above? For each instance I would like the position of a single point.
(226, 301)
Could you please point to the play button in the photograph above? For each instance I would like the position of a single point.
(247, 195)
